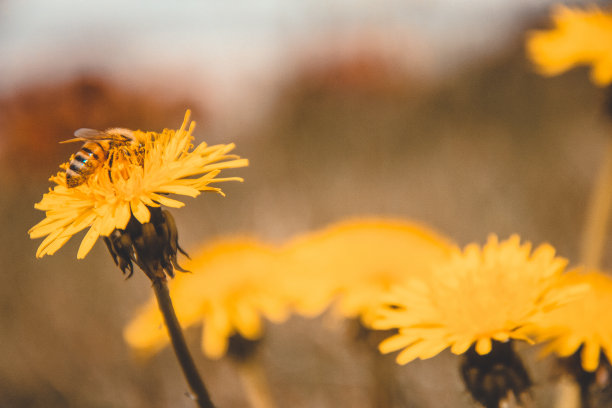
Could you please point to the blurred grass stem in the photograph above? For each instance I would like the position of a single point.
(598, 214)
(196, 385)
(568, 393)
(255, 384)
(591, 251)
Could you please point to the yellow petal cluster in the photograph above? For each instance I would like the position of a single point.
(579, 37)
(166, 164)
(232, 285)
(481, 294)
(354, 262)
(584, 322)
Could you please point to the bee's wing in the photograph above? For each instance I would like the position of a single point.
(91, 134)
(85, 134)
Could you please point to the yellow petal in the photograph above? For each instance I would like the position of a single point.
(88, 242)
(179, 189)
(569, 345)
(52, 243)
(483, 346)
(590, 356)
(246, 320)
(46, 242)
(422, 350)
(168, 202)
(461, 346)
(217, 329)
(122, 215)
(394, 343)
(140, 211)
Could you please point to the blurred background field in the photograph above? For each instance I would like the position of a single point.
(403, 109)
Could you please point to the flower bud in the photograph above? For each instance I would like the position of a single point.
(153, 246)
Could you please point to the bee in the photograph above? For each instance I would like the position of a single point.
(94, 152)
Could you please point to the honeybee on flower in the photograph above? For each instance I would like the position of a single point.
(139, 173)
(115, 185)
(98, 147)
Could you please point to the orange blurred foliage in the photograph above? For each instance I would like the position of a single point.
(365, 70)
(35, 119)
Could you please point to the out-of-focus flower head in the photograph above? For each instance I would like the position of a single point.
(584, 322)
(579, 37)
(352, 263)
(131, 180)
(231, 287)
(235, 282)
(481, 294)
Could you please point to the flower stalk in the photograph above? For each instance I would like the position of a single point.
(196, 385)
(119, 195)
(153, 247)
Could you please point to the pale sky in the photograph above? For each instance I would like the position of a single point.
(225, 46)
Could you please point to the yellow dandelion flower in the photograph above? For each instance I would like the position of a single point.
(580, 37)
(356, 261)
(478, 296)
(129, 182)
(584, 322)
(232, 286)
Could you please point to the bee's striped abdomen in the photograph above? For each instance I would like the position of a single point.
(91, 156)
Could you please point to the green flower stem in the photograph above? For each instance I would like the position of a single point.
(196, 385)
(598, 214)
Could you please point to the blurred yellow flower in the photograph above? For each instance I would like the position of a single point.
(163, 163)
(580, 37)
(480, 295)
(236, 282)
(355, 262)
(584, 322)
(232, 285)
